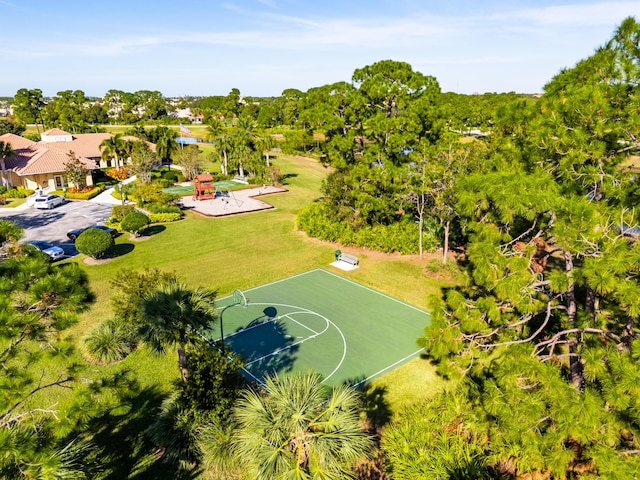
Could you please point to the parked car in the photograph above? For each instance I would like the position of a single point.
(55, 253)
(48, 201)
(73, 234)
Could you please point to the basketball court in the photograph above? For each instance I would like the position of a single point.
(319, 321)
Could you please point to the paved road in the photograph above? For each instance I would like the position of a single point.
(53, 225)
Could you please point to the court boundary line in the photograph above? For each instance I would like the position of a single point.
(387, 368)
(275, 282)
(401, 302)
(260, 324)
(355, 283)
(348, 280)
(301, 324)
(309, 312)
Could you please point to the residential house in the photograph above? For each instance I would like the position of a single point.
(41, 165)
(196, 119)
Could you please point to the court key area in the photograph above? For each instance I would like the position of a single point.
(319, 321)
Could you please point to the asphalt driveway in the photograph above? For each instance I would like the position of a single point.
(53, 225)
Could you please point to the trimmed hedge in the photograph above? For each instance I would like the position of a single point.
(164, 217)
(161, 208)
(15, 192)
(398, 237)
(134, 222)
(94, 242)
(84, 195)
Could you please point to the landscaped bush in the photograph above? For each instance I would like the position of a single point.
(157, 208)
(399, 237)
(164, 182)
(85, 195)
(164, 217)
(134, 222)
(175, 175)
(111, 341)
(171, 175)
(17, 193)
(152, 193)
(118, 212)
(94, 242)
(219, 177)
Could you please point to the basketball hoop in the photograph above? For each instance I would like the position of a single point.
(240, 299)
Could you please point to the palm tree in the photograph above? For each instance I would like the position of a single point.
(245, 132)
(111, 341)
(165, 144)
(264, 143)
(5, 152)
(10, 231)
(294, 430)
(170, 313)
(112, 147)
(224, 144)
(215, 128)
(243, 155)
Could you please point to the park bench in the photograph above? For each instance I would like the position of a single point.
(351, 259)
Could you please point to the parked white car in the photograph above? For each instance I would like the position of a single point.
(48, 201)
(55, 253)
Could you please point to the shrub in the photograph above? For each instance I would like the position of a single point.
(174, 175)
(165, 182)
(164, 217)
(84, 195)
(26, 191)
(94, 242)
(134, 222)
(118, 213)
(111, 341)
(152, 193)
(159, 208)
(401, 237)
(119, 173)
(15, 193)
(170, 175)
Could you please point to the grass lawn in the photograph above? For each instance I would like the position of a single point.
(241, 252)
(12, 202)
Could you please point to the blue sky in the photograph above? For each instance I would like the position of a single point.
(262, 47)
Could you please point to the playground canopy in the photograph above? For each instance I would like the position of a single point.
(204, 187)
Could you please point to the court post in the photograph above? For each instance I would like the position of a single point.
(238, 299)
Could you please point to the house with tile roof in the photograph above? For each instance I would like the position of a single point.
(41, 165)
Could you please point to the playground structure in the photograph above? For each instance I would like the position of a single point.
(245, 200)
(204, 188)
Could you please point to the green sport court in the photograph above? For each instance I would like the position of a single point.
(319, 321)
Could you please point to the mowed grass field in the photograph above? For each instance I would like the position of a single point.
(241, 252)
(245, 251)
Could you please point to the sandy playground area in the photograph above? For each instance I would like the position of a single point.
(233, 202)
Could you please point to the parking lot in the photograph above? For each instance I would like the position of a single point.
(53, 225)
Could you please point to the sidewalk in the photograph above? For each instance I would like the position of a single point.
(105, 198)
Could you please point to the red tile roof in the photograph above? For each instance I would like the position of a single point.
(54, 131)
(50, 157)
(83, 144)
(37, 157)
